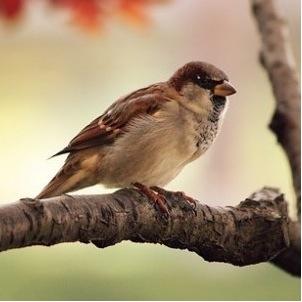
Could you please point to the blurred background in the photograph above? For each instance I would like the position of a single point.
(60, 69)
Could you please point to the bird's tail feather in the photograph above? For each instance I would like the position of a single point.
(63, 183)
(79, 171)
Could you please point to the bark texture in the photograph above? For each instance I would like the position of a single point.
(277, 59)
(254, 231)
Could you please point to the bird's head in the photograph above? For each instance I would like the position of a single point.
(203, 86)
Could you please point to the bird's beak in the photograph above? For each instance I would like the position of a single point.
(224, 89)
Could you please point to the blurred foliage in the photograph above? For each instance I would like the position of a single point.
(87, 14)
(134, 272)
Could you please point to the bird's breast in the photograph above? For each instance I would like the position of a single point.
(152, 151)
(206, 134)
(204, 131)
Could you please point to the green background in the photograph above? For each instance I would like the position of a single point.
(136, 272)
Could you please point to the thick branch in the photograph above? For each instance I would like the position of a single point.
(277, 58)
(254, 231)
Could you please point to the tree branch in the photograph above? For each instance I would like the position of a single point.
(255, 231)
(277, 59)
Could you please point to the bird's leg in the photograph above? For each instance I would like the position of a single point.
(179, 194)
(187, 198)
(156, 197)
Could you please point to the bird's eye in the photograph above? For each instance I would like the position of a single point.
(205, 83)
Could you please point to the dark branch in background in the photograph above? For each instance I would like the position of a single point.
(277, 59)
(255, 231)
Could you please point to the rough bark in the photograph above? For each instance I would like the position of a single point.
(254, 231)
(277, 59)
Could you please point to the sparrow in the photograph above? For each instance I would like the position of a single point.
(147, 137)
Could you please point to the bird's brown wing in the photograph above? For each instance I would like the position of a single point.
(107, 127)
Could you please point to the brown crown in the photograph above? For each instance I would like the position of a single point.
(190, 71)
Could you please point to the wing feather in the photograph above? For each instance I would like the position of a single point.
(107, 127)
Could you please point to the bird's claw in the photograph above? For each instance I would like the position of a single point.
(181, 195)
(156, 197)
(188, 199)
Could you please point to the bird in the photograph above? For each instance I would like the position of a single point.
(145, 139)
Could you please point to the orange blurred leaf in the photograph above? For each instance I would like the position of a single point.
(87, 14)
(134, 10)
(11, 9)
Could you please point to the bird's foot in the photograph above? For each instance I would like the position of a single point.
(188, 199)
(155, 196)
